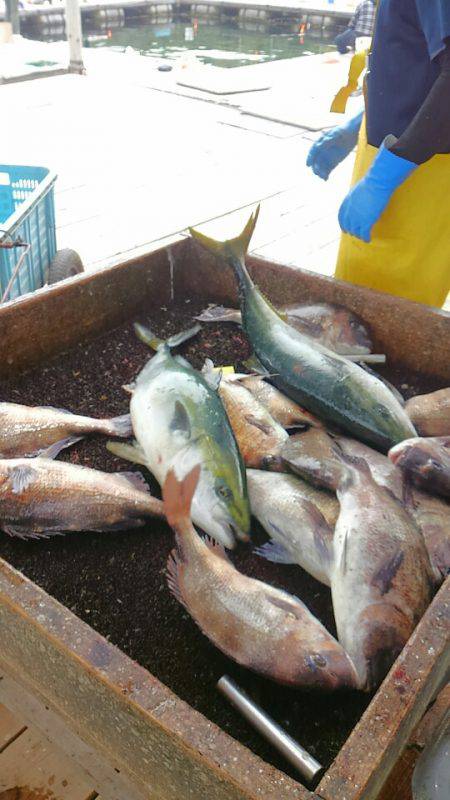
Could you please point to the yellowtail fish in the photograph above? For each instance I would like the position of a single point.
(179, 421)
(327, 384)
(260, 627)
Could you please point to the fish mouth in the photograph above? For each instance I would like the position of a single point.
(243, 536)
(221, 530)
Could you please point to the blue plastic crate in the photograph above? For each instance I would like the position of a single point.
(27, 212)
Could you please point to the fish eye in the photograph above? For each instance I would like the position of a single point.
(223, 491)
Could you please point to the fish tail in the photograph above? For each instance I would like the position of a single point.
(145, 335)
(177, 496)
(235, 248)
(154, 342)
(119, 426)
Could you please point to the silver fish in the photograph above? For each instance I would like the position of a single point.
(380, 574)
(30, 430)
(332, 325)
(258, 435)
(40, 497)
(427, 461)
(430, 413)
(299, 519)
(284, 410)
(315, 455)
(260, 627)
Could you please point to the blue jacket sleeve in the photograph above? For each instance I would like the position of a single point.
(434, 16)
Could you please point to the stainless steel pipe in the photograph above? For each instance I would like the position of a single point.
(293, 752)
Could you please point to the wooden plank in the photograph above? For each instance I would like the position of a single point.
(104, 774)
(30, 761)
(162, 746)
(398, 785)
(379, 738)
(11, 726)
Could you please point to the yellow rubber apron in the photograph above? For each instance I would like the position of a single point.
(409, 253)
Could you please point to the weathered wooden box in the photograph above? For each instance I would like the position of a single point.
(134, 736)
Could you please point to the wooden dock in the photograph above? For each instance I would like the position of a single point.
(33, 767)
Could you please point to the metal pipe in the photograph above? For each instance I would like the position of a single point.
(74, 36)
(288, 747)
(15, 272)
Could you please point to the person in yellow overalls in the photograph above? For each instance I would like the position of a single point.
(396, 217)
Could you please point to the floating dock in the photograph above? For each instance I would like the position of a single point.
(49, 20)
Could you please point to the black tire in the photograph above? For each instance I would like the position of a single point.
(65, 264)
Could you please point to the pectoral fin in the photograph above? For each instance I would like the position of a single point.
(130, 452)
(54, 449)
(21, 532)
(180, 421)
(275, 552)
(21, 477)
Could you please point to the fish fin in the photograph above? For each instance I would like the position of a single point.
(148, 337)
(178, 496)
(343, 558)
(129, 387)
(173, 576)
(218, 314)
(120, 426)
(237, 247)
(211, 376)
(254, 365)
(129, 452)
(145, 335)
(288, 604)
(393, 389)
(54, 450)
(180, 420)
(21, 477)
(275, 552)
(21, 532)
(256, 423)
(385, 575)
(125, 525)
(135, 479)
(183, 336)
(216, 548)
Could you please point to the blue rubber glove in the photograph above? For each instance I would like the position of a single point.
(333, 146)
(367, 200)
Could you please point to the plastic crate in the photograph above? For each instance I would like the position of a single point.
(27, 212)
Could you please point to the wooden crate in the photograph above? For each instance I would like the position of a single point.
(133, 735)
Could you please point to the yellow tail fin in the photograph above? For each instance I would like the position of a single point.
(236, 247)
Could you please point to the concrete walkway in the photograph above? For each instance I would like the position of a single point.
(139, 159)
